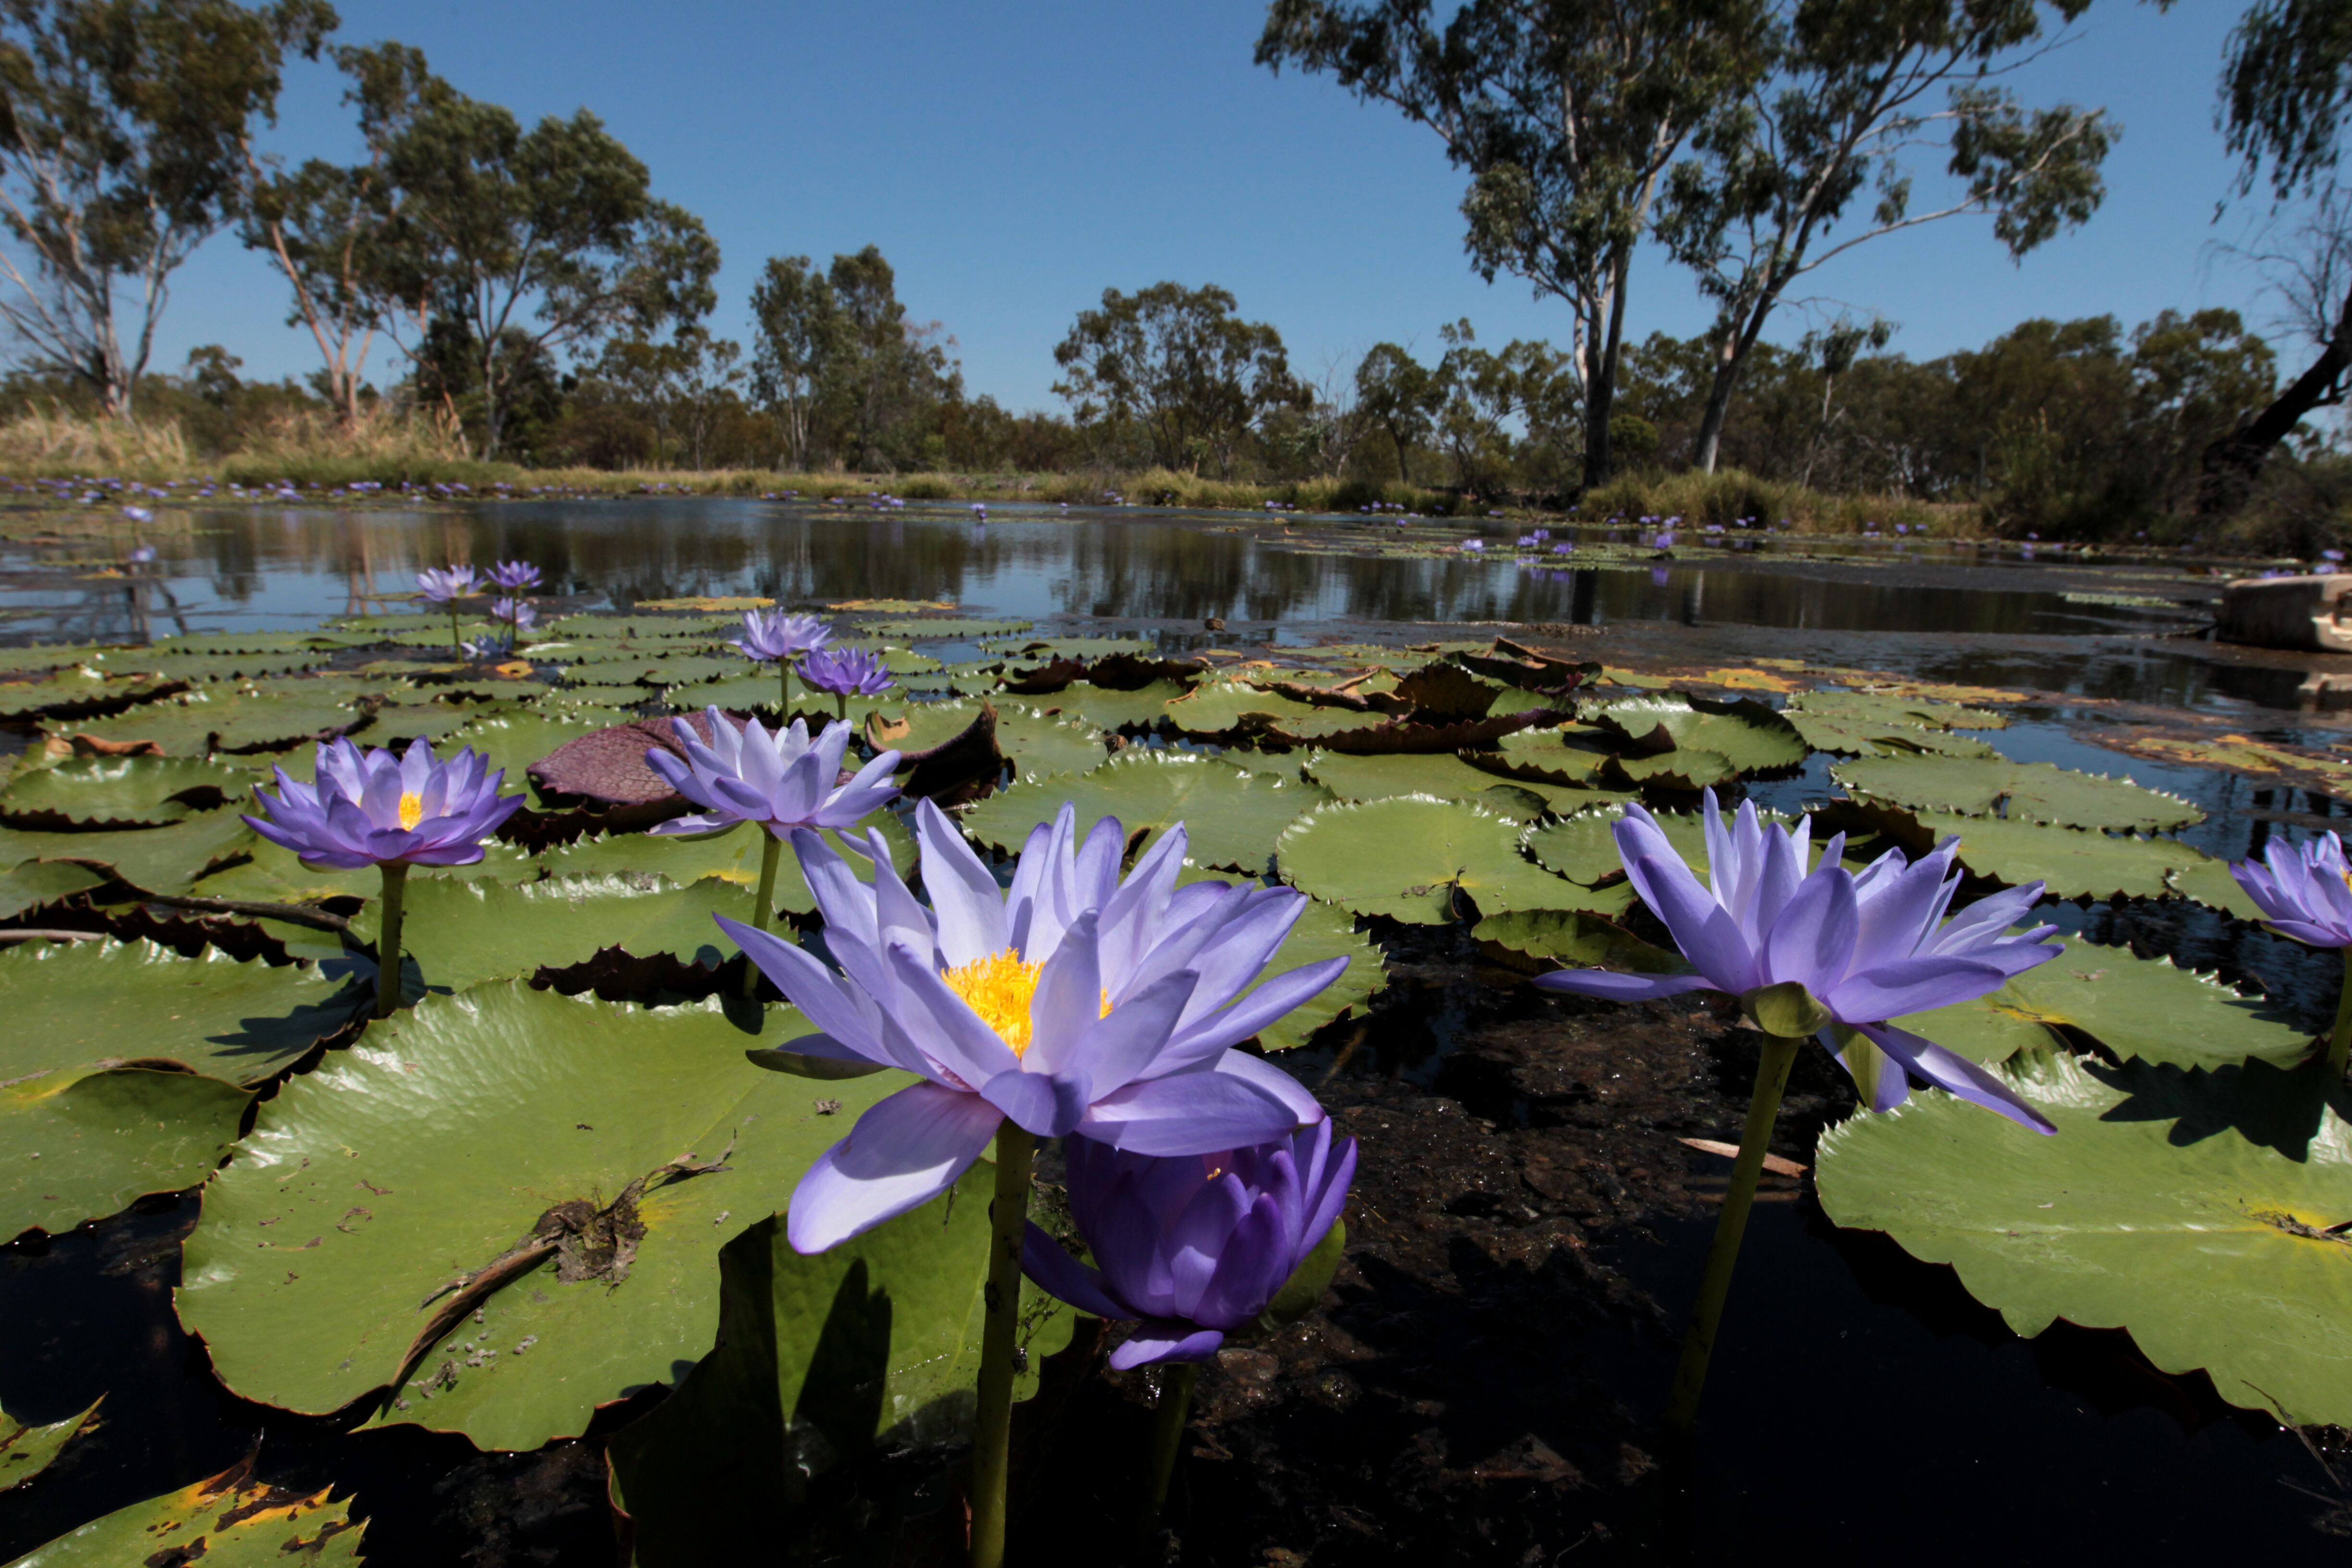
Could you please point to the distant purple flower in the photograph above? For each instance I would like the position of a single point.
(1567, 548)
(2302, 891)
(2324, 555)
(1867, 948)
(1474, 545)
(515, 576)
(1658, 576)
(1194, 1245)
(781, 780)
(517, 613)
(491, 645)
(138, 514)
(373, 808)
(846, 672)
(142, 555)
(776, 635)
(1068, 1002)
(438, 587)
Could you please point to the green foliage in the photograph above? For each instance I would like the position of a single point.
(229, 1520)
(1178, 366)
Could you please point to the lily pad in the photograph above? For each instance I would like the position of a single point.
(118, 792)
(1231, 816)
(230, 1520)
(2075, 862)
(873, 1343)
(1447, 778)
(732, 856)
(1563, 755)
(1747, 735)
(464, 932)
(2033, 791)
(1142, 707)
(25, 1451)
(515, 741)
(1223, 706)
(2195, 1210)
(154, 859)
(38, 882)
(82, 1148)
(1040, 745)
(1323, 933)
(1537, 940)
(1414, 857)
(443, 1146)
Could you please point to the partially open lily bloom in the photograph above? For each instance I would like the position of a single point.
(846, 672)
(1069, 1001)
(514, 576)
(440, 586)
(781, 780)
(1866, 948)
(776, 635)
(2305, 890)
(1194, 1245)
(491, 645)
(373, 808)
(517, 613)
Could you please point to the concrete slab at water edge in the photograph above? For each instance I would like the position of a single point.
(2307, 613)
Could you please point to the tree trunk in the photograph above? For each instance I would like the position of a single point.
(2231, 465)
(1727, 361)
(491, 421)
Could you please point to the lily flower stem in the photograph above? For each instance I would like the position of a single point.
(991, 1432)
(784, 694)
(1723, 1253)
(763, 909)
(387, 940)
(453, 627)
(841, 705)
(2340, 1048)
(1167, 1436)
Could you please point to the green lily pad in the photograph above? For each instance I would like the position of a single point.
(1563, 755)
(2075, 862)
(944, 629)
(1221, 706)
(2033, 792)
(2135, 1006)
(1446, 777)
(229, 1520)
(1040, 745)
(1323, 933)
(154, 859)
(77, 687)
(1867, 712)
(515, 741)
(1141, 709)
(433, 1147)
(1688, 768)
(464, 932)
(732, 856)
(25, 1451)
(2195, 1210)
(1412, 858)
(120, 791)
(1532, 939)
(38, 882)
(263, 872)
(1748, 736)
(79, 1149)
(874, 1343)
(1231, 816)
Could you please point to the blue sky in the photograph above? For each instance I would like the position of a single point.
(1014, 161)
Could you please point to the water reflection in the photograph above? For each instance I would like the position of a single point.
(249, 567)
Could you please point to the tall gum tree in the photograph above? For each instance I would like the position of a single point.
(122, 130)
(1181, 366)
(1858, 91)
(1565, 114)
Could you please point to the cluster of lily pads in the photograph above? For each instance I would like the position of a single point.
(484, 1142)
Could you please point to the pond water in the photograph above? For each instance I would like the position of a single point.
(1859, 1396)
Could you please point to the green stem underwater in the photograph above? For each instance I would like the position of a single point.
(784, 692)
(2339, 1046)
(387, 940)
(1723, 1252)
(1167, 1436)
(992, 1430)
(764, 902)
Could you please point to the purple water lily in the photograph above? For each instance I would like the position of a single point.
(440, 586)
(779, 636)
(374, 808)
(493, 645)
(846, 672)
(2302, 890)
(1195, 1246)
(515, 576)
(781, 780)
(517, 613)
(1867, 948)
(1069, 1001)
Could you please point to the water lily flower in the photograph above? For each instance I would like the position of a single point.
(438, 587)
(846, 673)
(517, 613)
(515, 576)
(138, 514)
(1069, 1001)
(1866, 948)
(374, 808)
(2305, 890)
(491, 645)
(781, 780)
(776, 636)
(1194, 1247)
(142, 555)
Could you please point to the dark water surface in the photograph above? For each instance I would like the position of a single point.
(1860, 1404)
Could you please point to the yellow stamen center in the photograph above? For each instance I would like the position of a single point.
(1000, 989)
(412, 809)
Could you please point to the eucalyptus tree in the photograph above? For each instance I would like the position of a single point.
(528, 242)
(795, 327)
(1178, 365)
(1565, 114)
(883, 371)
(2286, 91)
(1859, 92)
(1401, 394)
(123, 124)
